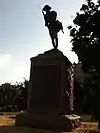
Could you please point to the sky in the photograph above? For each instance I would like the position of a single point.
(23, 34)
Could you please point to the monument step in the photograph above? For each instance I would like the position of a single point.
(48, 121)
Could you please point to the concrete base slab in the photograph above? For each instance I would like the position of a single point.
(48, 121)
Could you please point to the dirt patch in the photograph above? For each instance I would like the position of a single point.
(6, 121)
(90, 127)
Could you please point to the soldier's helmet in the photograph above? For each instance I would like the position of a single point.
(46, 8)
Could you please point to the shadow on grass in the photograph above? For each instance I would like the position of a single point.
(14, 129)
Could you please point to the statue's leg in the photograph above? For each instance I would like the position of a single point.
(52, 38)
(53, 42)
(56, 42)
(56, 39)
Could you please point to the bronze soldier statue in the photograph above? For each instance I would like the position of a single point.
(53, 25)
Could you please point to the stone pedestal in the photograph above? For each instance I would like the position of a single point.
(50, 94)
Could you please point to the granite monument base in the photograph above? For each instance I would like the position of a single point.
(50, 94)
(48, 121)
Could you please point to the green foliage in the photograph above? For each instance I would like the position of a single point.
(13, 96)
(85, 38)
(86, 35)
(79, 96)
(6, 94)
(87, 95)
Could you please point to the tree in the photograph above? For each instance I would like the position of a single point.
(13, 96)
(7, 93)
(85, 38)
(84, 96)
(21, 97)
(86, 35)
(78, 94)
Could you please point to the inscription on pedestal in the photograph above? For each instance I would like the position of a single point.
(46, 85)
